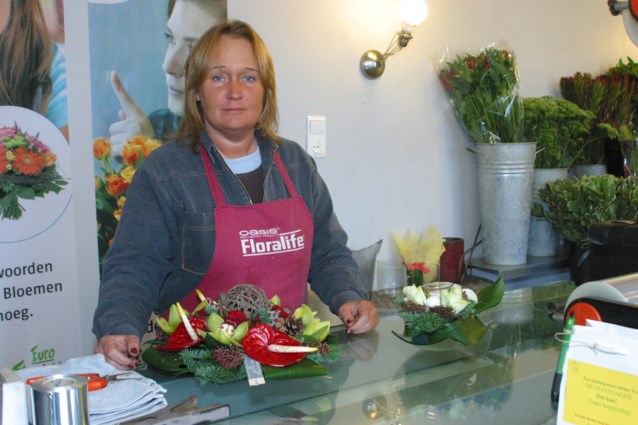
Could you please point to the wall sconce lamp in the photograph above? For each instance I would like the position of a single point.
(412, 14)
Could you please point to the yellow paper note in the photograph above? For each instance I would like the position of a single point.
(596, 395)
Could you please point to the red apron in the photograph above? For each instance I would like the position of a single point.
(267, 244)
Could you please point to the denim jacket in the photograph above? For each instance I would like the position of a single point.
(165, 240)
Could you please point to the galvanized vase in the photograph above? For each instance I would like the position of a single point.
(505, 176)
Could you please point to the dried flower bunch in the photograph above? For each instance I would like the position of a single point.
(27, 170)
(420, 253)
(210, 342)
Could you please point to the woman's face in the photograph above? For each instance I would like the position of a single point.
(232, 95)
(188, 21)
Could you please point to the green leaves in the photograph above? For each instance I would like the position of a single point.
(574, 205)
(483, 89)
(559, 128)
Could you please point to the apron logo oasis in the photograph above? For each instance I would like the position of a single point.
(253, 233)
(279, 243)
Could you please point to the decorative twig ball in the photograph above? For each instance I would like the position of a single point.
(245, 297)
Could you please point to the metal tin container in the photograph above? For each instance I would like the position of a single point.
(60, 400)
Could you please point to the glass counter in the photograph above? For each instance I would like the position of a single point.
(380, 379)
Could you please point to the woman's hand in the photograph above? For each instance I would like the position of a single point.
(359, 316)
(121, 351)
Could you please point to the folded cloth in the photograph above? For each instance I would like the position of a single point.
(128, 398)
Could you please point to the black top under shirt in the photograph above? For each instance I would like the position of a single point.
(253, 181)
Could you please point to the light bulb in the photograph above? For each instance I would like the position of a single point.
(413, 12)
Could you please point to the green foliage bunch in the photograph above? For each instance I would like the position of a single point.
(558, 127)
(572, 206)
(483, 89)
(609, 98)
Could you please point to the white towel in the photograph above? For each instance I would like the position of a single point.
(123, 399)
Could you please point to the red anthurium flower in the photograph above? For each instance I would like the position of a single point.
(180, 339)
(258, 339)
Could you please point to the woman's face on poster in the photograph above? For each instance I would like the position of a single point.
(187, 23)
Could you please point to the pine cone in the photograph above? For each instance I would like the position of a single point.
(294, 326)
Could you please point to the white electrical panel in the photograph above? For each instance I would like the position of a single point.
(316, 135)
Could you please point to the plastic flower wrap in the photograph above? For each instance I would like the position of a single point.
(483, 90)
(112, 186)
(27, 171)
(437, 311)
(241, 322)
(420, 253)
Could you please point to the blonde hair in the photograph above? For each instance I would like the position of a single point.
(196, 71)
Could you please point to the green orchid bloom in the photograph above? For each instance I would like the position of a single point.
(174, 319)
(225, 333)
(315, 328)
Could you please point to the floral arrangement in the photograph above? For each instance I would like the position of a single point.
(111, 188)
(211, 341)
(420, 253)
(483, 90)
(437, 311)
(27, 170)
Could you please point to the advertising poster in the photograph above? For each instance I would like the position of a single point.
(138, 49)
(38, 285)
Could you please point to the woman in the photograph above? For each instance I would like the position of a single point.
(227, 202)
(25, 56)
(187, 21)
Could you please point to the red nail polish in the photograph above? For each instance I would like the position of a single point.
(132, 366)
(134, 351)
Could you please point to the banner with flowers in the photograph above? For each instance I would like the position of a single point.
(111, 186)
(37, 242)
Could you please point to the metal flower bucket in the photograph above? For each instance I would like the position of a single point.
(505, 177)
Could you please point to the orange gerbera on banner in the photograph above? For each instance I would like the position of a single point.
(4, 160)
(28, 170)
(27, 162)
(112, 186)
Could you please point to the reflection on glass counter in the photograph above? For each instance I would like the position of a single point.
(379, 379)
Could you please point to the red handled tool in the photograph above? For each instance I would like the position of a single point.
(94, 380)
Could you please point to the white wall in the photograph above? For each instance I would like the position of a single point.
(396, 156)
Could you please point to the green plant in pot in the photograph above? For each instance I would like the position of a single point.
(574, 205)
(558, 127)
(483, 90)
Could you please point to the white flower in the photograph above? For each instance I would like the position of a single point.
(227, 329)
(415, 294)
(470, 295)
(453, 298)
